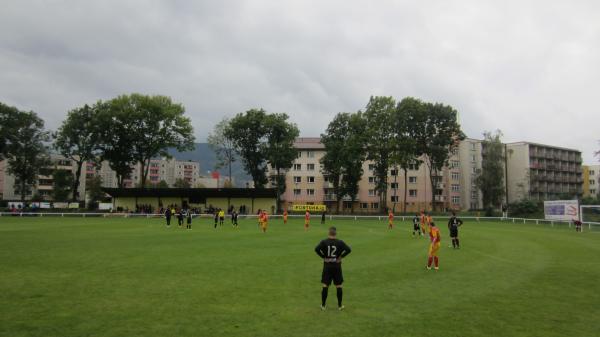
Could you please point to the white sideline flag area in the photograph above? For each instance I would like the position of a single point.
(561, 210)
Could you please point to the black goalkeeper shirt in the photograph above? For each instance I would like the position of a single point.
(332, 249)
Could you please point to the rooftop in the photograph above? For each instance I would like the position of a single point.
(308, 143)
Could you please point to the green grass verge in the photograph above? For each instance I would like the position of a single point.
(134, 277)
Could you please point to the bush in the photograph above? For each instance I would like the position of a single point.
(525, 208)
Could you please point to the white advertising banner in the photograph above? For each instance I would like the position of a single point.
(561, 210)
(105, 206)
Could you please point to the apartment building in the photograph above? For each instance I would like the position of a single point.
(470, 160)
(168, 170)
(45, 183)
(543, 172)
(591, 181)
(306, 184)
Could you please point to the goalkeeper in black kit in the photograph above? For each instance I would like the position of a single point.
(332, 251)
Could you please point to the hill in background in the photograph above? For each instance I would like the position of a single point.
(207, 159)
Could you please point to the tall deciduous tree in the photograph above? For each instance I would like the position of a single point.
(62, 180)
(158, 124)
(26, 151)
(354, 156)
(223, 146)
(438, 134)
(490, 178)
(406, 125)
(77, 140)
(115, 136)
(248, 133)
(279, 148)
(380, 141)
(93, 188)
(8, 117)
(344, 142)
(137, 128)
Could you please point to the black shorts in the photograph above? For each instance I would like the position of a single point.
(332, 273)
(416, 227)
(453, 233)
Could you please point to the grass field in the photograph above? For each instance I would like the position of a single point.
(134, 277)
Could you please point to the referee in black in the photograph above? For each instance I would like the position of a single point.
(332, 250)
(453, 224)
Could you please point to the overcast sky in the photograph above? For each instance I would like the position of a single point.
(529, 68)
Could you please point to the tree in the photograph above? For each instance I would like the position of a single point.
(115, 136)
(62, 181)
(181, 183)
(354, 156)
(93, 187)
(406, 152)
(490, 178)
(8, 117)
(223, 146)
(248, 133)
(78, 140)
(26, 151)
(279, 148)
(380, 141)
(437, 134)
(344, 142)
(156, 124)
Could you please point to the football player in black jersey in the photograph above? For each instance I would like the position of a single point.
(332, 251)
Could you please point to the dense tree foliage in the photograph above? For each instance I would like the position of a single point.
(490, 178)
(223, 146)
(77, 140)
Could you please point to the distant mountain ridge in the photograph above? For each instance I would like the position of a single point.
(207, 159)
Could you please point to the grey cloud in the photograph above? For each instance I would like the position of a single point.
(526, 67)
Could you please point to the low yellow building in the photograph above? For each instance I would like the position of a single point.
(204, 198)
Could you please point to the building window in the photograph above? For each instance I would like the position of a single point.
(472, 146)
(310, 180)
(472, 158)
(371, 167)
(393, 172)
(347, 204)
(412, 193)
(455, 175)
(413, 167)
(310, 167)
(592, 182)
(455, 188)
(374, 205)
(297, 191)
(364, 205)
(395, 198)
(310, 154)
(326, 179)
(297, 179)
(371, 180)
(310, 191)
(412, 180)
(454, 164)
(473, 170)
(456, 200)
(371, 193)
(593, 192)
(394, 186)
(592, 172)
(297, 167)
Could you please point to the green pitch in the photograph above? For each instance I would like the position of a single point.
(134, 277)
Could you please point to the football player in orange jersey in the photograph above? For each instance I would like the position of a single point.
(285, 216)
(264, 221)
(306, 220)
(434, 246)
(390, 220)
